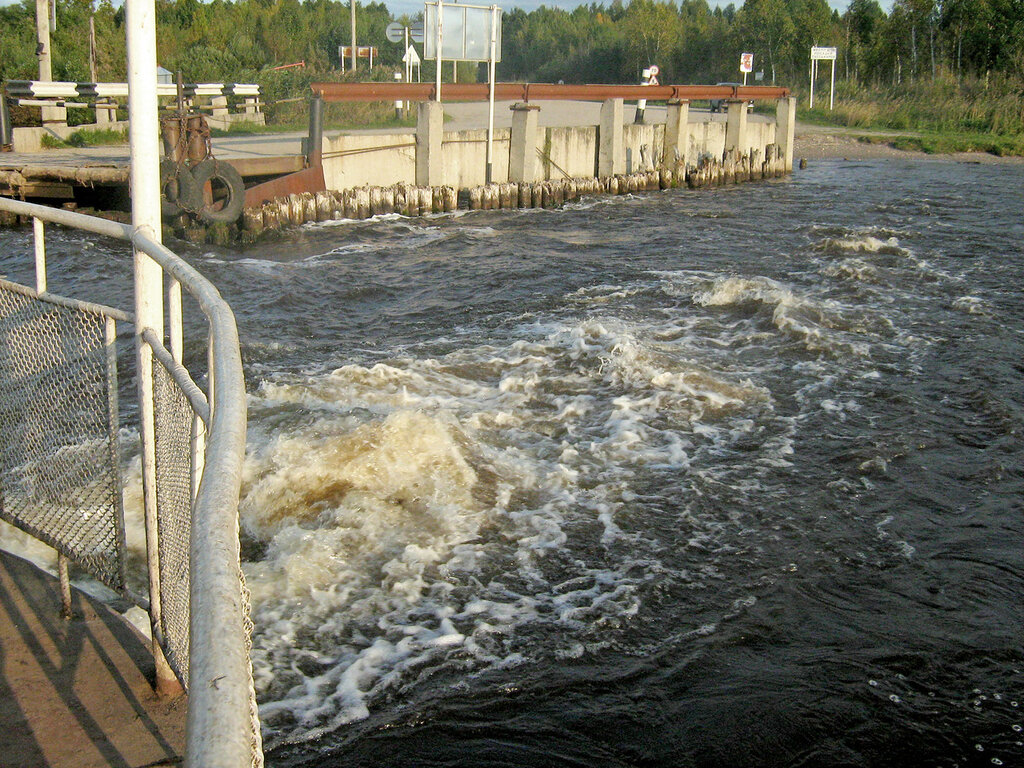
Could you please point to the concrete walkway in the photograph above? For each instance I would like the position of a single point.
(76, 693)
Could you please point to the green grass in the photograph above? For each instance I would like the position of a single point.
(943, 114)
(87, 137)
(939, 144)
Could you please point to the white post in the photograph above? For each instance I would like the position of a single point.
(814, 67)
(39, 233)
(832, 87)
(437, 84)
(490, 95)
(145, 191)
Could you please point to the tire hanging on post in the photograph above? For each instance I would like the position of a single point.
(227, 192)
(179, 192)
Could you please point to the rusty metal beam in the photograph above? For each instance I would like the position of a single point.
(541, 91)
(307, 180)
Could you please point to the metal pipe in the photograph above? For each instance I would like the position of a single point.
(145, 186)
(490, 95)
(440, 17)
(39, 236)
(5, 120)
(65, 585)
(314, 152)
(390, 91)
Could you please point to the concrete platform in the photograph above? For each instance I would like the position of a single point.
(76, 693)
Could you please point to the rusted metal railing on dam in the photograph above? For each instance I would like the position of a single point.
(527, 92)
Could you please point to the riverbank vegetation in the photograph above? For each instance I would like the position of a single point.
(944, 67)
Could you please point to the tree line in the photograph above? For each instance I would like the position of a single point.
(690, 41)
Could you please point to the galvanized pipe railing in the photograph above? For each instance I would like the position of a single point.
(223, 728)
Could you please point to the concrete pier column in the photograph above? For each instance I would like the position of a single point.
(611, 154)
(522, 159)
(677, 134)
(103, 115)
(429, 129)
(219, 108)
(736, 126)
(785, 123)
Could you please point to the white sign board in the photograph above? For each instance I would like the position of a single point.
(466, 33)
(746, 62)
(411, 57)
(821, 53)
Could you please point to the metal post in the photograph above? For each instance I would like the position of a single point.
(65, 586)
(814, 67)
(314, 152)
(5, 119)
(490, 95)
(113, 412)
(437, 83)
(145, 186)
(832, 87)
(39, 234)
(174, 322)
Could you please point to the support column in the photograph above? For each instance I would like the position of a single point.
(677, 134)
(56, 116)
(429, 129)
(785, 123)
(219, 108)
(611, 155)
(736, 127)
(522, 159)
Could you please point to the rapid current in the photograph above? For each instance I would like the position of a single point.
(721, 478)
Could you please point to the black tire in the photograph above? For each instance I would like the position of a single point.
(178, 190)
(228, 192)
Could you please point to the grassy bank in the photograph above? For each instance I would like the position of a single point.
(939, 115)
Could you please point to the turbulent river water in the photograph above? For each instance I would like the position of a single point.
(716, 478)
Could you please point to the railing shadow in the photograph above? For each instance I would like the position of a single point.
(76, 690)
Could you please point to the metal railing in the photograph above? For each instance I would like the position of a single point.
(60, 481)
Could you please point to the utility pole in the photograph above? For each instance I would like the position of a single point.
(51, 115)
(43, 40)
(352, 14)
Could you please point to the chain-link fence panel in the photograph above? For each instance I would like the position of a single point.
(173, 441)
(59, 464)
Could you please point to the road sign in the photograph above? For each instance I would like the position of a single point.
(466, 32)
(821, 53)
(411, 57)
(416, 32)
(746, 62)
(654, 70)
(395, 32)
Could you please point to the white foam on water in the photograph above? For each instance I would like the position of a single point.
(971, 305)
(820, 325)
(423, 513)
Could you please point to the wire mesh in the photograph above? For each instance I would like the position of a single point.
(173, 438)
(59, 474)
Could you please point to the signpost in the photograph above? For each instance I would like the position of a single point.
(464, 33)
(360, 52)
(821, 53)
(746, 65)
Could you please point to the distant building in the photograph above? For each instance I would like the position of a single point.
(164, 76)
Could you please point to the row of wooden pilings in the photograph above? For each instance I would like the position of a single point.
(364, 202)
